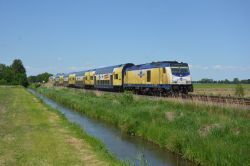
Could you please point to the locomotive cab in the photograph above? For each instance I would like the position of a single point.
(180, 77)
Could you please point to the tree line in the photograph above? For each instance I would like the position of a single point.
(15, 74)
(226, 81)
(40, 78)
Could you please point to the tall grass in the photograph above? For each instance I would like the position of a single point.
(207, 135)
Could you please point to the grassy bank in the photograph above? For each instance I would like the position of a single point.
(32, 133)
(220, 89)
(208, 135)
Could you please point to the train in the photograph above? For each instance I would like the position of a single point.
(164, 77)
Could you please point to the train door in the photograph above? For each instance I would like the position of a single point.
(111, 80)
(94, 80)
(148, 76)
(163, 75)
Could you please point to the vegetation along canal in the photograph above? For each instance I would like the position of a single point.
(125, 147)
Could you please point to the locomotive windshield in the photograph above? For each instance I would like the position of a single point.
(180, 70)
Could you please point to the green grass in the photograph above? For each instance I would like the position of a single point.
(32, 133)
(208, 135)
(220, 89)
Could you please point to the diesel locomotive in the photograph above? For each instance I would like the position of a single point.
(165, 77)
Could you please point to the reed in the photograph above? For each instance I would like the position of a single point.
(205, 134)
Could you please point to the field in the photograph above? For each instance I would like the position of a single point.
(205, 134)
(32, 133)
(220, 89)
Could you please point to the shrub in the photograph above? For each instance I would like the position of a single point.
(3, 82)
(239, 90)
(35, 85)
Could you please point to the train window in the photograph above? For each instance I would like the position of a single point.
(184, 70)
(164, 70)
(116, 76)
(91, 77)
(175, 70)
(148, 76)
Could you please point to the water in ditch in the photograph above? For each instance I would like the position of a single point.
(123, 146)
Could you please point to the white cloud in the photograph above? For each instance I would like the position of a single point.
(231, 68)
(73, 68)
(219, 67)
(86, 66)
(59, 59)
(199, 67)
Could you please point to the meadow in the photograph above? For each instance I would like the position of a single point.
(220, 89)
(32, 133)
(205, 134)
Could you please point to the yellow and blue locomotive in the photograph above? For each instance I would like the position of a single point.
(159, 77)
(152, 78)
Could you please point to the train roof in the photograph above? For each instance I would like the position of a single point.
(59, 74)
(109, 69)
(156, 65)
(80, 73)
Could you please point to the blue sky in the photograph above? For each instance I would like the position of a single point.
(213, 36)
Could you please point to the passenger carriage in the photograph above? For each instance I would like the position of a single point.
(110, 78)
(66, 80)
(72, 79)
(56, 80)
(80, 79)
(89, 79)
(61, 80)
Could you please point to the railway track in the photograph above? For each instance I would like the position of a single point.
(224, 100)
(220, 99)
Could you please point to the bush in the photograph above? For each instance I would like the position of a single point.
(3, 82)
(239, 90)
(35, 85)
(127, 98)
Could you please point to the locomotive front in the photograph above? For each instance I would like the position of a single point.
(180, 78)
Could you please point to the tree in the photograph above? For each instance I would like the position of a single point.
(44, 77)
(206, 80)
(6, 74)
(226, 81)
(2, 71)
(19, 73)
(236, 81)
(32, 79)
(17, 66)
